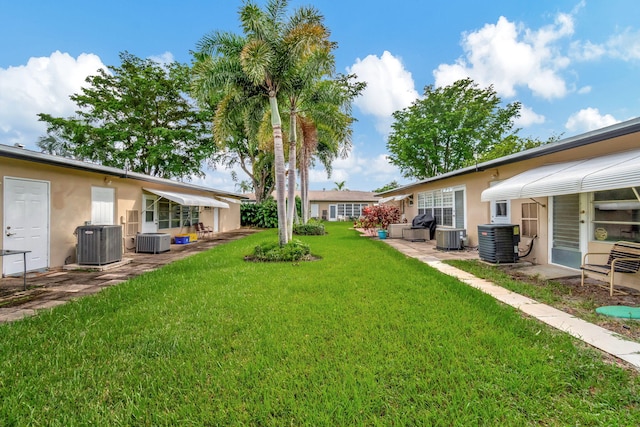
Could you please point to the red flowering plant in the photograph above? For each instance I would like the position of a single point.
(378, 217)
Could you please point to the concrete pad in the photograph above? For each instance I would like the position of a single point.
(41, 305)
(68, 288)
(13, 315)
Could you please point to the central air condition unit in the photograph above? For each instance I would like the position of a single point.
(99, 244)
(450, 239)
(498, 243)
(153, 243)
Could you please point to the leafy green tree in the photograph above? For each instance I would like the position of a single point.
(510, 145)
(390, 186)
(137, 117)
(270, 53)
(449, 127)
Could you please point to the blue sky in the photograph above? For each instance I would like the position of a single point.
(574, 65)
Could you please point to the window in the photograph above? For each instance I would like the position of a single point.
(529, 219)
(174, 215)
(102, 205)
(350, 210)
(440, 204)
(616, 215)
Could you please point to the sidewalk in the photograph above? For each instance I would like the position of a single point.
(591, 334)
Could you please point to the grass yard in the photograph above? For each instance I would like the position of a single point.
(364, 336)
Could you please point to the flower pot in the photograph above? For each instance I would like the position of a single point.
(382, 234)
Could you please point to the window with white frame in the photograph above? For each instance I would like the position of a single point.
(174, 215)
(351, 210)
(616, 215)
(440, 204)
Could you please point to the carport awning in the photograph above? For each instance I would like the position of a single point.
(188, 199)
(620, 170)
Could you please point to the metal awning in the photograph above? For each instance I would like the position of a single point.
(620, 170)
(188, 199)
(393, 198)
(230, 199)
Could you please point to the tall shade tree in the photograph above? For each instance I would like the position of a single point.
(274, 46)
(448, 128)
(136, 117)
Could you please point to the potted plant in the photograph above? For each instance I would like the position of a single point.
(378, 218)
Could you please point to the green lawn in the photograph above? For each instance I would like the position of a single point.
(364, 336)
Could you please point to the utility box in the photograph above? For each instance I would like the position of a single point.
(450, 239)
(99, 244)
(498, 243)
(153, 243)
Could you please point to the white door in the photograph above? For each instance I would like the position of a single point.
(216, 220)
(315, 210)
(149, 214)
(333, 212)
(26, 224)
(500, 212)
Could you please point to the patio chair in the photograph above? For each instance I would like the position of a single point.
(203, 231)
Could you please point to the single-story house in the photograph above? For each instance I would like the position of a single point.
(339, 205)
(45, 198)
(577, 195)
(334, 205)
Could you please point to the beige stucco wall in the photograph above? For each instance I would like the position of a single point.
(70, 203)
(478, 212)
(324, 205)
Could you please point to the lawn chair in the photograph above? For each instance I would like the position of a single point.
(203, 231)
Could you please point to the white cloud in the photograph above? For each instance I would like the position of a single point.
(43, 85)
(359, 172)
(390, 87)
(584, 90)
(528, 117)
(508, 55)
(624, 46)
(164, 59)
(589, 119)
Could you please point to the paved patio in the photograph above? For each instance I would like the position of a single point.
(47, 290)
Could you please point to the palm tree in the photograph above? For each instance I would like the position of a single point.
(273, 47)
(340, 186)
(326, 127)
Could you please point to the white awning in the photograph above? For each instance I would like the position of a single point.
(393, 198)
(188, 199)
(230, 199)
(620, 170)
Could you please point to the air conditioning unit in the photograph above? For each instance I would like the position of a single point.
(450, 239)
(99, 244)
(153, 243)
(498, 243)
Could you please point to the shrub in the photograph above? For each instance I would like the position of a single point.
(295, 250)
(311, 228)
(261, 215)
(378, 216)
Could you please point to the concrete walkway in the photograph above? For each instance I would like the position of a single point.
(591, 334)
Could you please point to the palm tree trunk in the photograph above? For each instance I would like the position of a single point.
(291, 207)
(303, 184)
(278, 148)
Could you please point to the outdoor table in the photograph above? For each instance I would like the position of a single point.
(5, 252)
